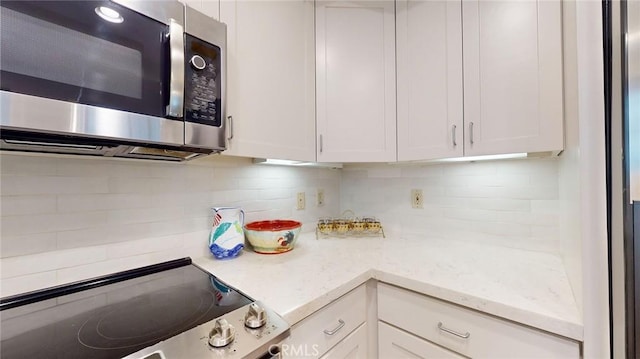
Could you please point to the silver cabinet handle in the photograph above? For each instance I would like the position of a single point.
(336, 329)
(321, 144)
(453, 136)
(230, 122)
(463, 336)
(176, 81)
(471, 133)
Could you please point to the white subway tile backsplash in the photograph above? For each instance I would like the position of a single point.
(47, 261)
(41, 223)
(144, 215)
(27, 264)
(499, 204)
(21, 205)
(511, 203)
(47, 185)
(68, 218)
(69, 258)
(91, 270)
(384, 172)
(31, 166)
(98, 202)
(135, 185)
(143, 246)
(469, 169)
(84, 168)
(82, 237)
(11, 246)
(423, 171)
(545, 206)
(503, 179)
(469, 214)
(26, 283)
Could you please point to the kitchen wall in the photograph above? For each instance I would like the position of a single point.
(68, 218)
(582, 171)
(512, 203)
(569, 164)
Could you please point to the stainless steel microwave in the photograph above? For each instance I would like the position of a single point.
(126, 78)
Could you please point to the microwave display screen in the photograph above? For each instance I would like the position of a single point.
(202, 82)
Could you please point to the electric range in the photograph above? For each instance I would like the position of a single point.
(164, 311)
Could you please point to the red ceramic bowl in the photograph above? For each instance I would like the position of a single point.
(272, 237)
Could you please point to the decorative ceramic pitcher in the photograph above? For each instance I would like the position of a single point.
(227, 237)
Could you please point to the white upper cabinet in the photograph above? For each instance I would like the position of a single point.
(271, 78)
(512, 76)
(356, 92)
(430, 103)
(208, 7)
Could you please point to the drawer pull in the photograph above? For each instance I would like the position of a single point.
(441, 327)
(336, 329)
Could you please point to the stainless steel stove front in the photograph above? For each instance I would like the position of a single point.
(208, 340)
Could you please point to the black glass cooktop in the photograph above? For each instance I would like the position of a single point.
(115, 315)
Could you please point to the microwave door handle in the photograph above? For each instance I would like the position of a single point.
(176, 80)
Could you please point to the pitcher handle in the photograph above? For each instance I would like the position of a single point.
(242, 218)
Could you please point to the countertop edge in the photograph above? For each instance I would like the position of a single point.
(502, 311)
(298, 314)
(520, 316)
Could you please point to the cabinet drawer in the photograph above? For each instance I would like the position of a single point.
(354, 346)
(486, 336)
(350, 309)
(394, 343)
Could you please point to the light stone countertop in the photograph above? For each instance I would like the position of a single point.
(524, 286)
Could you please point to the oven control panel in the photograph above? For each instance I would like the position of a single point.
(203, 82)
(248, 332)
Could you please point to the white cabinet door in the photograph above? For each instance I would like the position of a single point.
(356, 92)
(394, 343)
(271, 74)
(512, 76)
(339, 318)
(354, 346)
(429, 55)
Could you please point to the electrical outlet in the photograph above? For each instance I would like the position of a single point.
(301, 202)
(416, 198)
(320, 197)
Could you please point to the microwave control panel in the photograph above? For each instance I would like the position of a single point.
(203, 82)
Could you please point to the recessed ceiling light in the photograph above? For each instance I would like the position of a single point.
(109, 14)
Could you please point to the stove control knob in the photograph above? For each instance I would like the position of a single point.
(255, 317)
(222, 334)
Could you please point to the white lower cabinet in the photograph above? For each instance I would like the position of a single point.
(466, 331)
(413, 325)
(397, 344)
(336, 330)
(354, 346)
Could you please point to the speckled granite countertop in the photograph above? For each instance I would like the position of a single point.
(524, 286)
